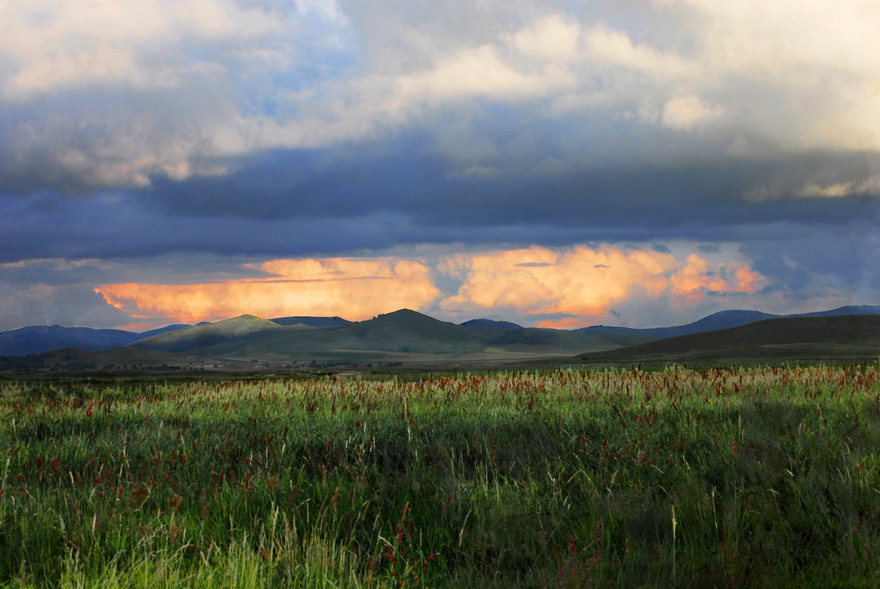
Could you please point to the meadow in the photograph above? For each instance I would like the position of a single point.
(725, 477)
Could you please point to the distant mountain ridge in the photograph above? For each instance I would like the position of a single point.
(814, 338)
(725, 320)
(403, 331)
(847, 310)
(715, 321)
(489, 329)
(489, 323)
(37, 339)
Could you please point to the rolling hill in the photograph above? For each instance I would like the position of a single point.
(489, 328)
(229, 346)
(41, 338)
(787, 339)
(847, 310)
(203, 336)
(318, 322)
(409, 336)
(713, 322)
(725, 320)
(489, 323)
(402, 331)
(406, 332)
(37, 339)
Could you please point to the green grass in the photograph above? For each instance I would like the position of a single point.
(765, 477)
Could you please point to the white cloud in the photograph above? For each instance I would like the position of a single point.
(609, 47)
(812, 65)
(551, 39)
(129, 90)
(686, 111)
(794, 76)
(56, 44)
(773, 36)
(477, 72)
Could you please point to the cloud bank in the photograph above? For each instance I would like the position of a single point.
(578, 286)
(109, 94)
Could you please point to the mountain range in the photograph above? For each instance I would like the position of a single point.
(45, 338)
(401, 332)
(36, 339)
(404, 336)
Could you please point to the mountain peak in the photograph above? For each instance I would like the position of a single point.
(480, 323)
(334, 322)
(403, 315)
(244, 317)
(404, 311)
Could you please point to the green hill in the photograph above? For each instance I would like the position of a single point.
(406, 325)
(319, 322)
(407, 332)
(403, 331)
(206, 335)
(790, 339)
(230, 346)
(489, 328)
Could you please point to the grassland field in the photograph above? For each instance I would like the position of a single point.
(733, 477)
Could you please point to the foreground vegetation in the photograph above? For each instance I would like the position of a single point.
(760, 477)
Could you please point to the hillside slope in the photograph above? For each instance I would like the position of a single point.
(786, 339)
(37, 339)
(202, 336)
(713, 322)
(319, 322)
(725, 320)
(403, 331)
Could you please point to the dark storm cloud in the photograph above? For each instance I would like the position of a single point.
(687, 202)
(307, 202)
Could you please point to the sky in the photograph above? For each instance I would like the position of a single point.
(554, 163)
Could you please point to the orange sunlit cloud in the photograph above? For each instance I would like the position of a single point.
(351, 288)
(583, 281)
(692, 280)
